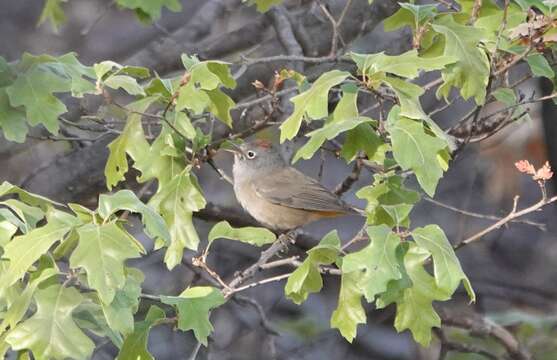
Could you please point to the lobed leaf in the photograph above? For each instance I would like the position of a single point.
(447, 269)
(408, 64)
(119, 313)
(376, 264)
(51, 333)
(102, 251)
(135, 344)
(312, 103)
(349, 312)
(176, 201)
(194, 306)
(250, 235)
(470, 73)
(416, 150)
(415, 308)
(389, 202)
(131, 141)
(126, 200)
(24, 250)
(306, 279)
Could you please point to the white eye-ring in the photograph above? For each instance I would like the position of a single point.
(250, 154)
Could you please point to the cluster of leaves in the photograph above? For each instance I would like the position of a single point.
(43, 313)
(99, 294)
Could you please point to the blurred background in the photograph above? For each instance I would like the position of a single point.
(513, 270)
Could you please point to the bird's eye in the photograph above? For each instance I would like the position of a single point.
(250, 154)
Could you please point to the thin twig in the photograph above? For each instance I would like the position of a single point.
(258, 283)
(480, 326)
(296, 58)
(279, 245)
(219, 171)
(513, 214)
(334, 40)
(347, 183)
(540, 226)
(195, 351)
(198, 261)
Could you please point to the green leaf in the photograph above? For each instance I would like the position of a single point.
(470, 74)
(7, 230)
(421, 12)
(376, 264)
(345, 118)
(250, 235)
(389, 202)
(52, 11)
(150, 10)
(208, 75)
(125, 82)
(29, 198)
(409, 97)
(6, 73)
(157, 163)
(407, 65)
(415, 150)
(402, 17)
(135, 344)
(202, 89)
(327, 132)
(194, 306)
(102, 251)
(89, 316)
(364, 137)
(68, 66)
(12, 120)
(51, 333)
(183, 123)
(415, 309)
(176, 201)
(349, 312)
(395, 288)
(306, 279)
(220, 106)
(19, 307)
(119, 313)
(505, 95)
(447, 269)
(24, 250)
(128, 201)
(30, 215)
(192, 98)
(12, 219)
(263, 5)
(312, 103)
(34, 90)
(160, 87)
(132, 142)
(540, 66)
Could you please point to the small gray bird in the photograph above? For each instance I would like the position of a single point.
(276, 194)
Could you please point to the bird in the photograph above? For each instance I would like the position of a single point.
(276, 194)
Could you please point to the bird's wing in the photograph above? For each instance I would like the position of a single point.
(289, 187)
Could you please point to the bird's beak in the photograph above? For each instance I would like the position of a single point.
(235, 149)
